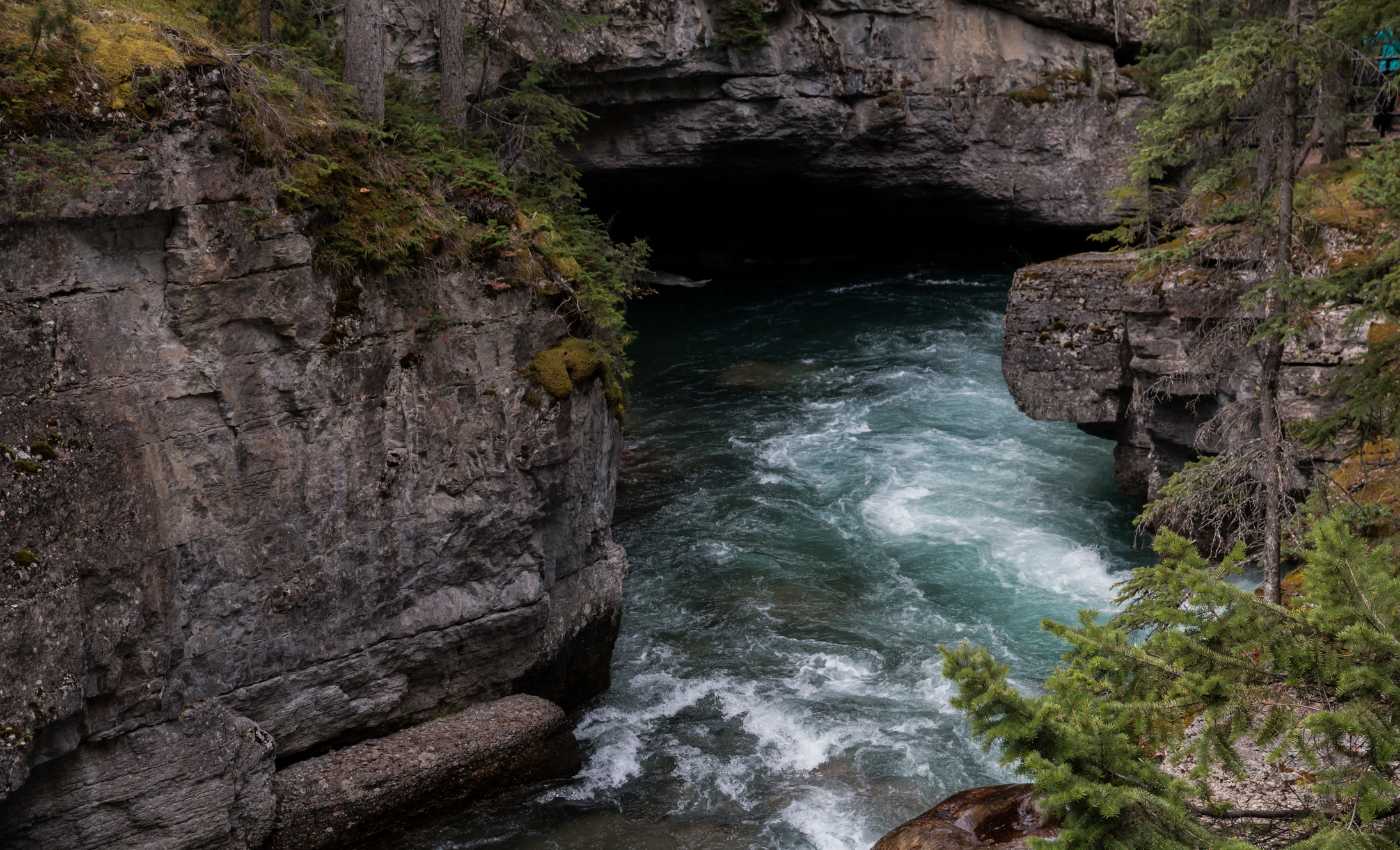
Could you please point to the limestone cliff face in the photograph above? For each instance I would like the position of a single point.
(255, 511)
(1008, 112)
(1149, 361)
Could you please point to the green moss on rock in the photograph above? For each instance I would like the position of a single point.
(25, 466)
(574, 362)
(44, 449)
(571, 362)
(25, 557)
(1033, 96)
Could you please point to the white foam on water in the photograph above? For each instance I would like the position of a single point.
(825, 672)
(829, 820)
(1015, 553)
(1055, 563)
(618, 735)
(616, 758)
(894, 509)
(788, 738)
(670, 696)
(718, 551)
(708, 777)
(856, 287)
(935, 690)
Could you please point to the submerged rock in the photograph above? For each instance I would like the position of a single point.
(758, 375)
(996, 817)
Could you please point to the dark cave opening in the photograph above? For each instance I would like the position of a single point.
(737, 224)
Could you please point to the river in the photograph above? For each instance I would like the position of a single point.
(823, 483)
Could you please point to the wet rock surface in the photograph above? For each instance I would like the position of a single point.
(1149, 361)
(995, 816)
(250, 513)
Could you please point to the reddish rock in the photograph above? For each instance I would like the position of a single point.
(1000, 817)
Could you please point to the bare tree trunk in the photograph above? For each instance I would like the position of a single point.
(1331, 125)
(364, 56)
(265, 21)
(1271, 349)
(452, 23)
(1270, 428)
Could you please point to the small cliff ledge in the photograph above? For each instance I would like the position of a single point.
(350, 797)
(257, 512)
(1148, 360)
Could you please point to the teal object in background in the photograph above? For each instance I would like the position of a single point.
(1389, 58)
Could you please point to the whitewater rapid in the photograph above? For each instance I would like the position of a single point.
(823, 484)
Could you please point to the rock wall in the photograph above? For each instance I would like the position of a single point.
(1010, 112)
(1148, 361)
(248, 512)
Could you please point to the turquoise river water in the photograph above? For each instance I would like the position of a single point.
(822, 484)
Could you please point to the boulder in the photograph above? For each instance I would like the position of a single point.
(349, 797)
(995, 817)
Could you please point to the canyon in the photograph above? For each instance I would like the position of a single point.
(274, 515)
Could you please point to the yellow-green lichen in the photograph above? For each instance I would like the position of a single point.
(25, 557)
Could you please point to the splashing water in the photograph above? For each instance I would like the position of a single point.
(822, 485)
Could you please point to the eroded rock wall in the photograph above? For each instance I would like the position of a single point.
(1149, 360)
(1011, 112)
(248, 511)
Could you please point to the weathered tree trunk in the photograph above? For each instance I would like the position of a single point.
(452, 23)
(265, 21)
(1331, 124)
(1271, 349)
(1271, 355)
(364, 56)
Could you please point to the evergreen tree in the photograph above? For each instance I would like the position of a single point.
(1195, 665)
(1233, 82)
(1197, 676)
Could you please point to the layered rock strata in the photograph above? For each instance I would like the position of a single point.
(1012, 113)
(1149, 360)
(249, 512)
